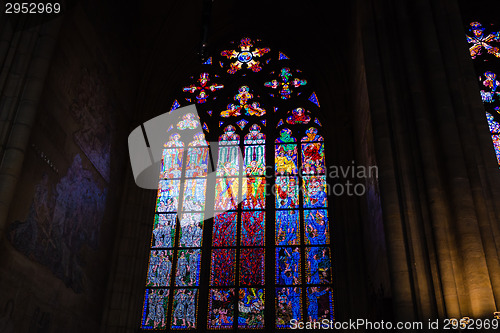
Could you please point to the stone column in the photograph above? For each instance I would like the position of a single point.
(28, 59)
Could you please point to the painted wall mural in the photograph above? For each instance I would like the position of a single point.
(62, 221)
(93, 110)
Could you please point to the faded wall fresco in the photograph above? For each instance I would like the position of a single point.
(63, 219)
(93, 111)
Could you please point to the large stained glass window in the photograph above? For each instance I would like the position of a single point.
(484, 47)
(263, 237)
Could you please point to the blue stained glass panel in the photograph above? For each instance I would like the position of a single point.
(191, 232)
(287, 227)
(319, 302)
(188, 267)
(318, 267)
(288, 306)
(163, 230)
(160, 268)
(287, 266)
(316, 227)
(184, 309)
(155, 309)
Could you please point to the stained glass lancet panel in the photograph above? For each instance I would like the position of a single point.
(484, 48)
(175, 255)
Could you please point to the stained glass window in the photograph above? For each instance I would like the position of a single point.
(269, 236)
(484, 47)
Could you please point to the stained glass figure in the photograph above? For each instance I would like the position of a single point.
(188, 121)
(282, 56)
(198, 140)
(175, 105)
(242, 123)
(288, 306)
(228, 163)
(245, 55)
(286, 159)
(188, 267)
(314, 191)
(171, 163)
(173, 141)
(229, 137)
(191, 231)
(163, 231)
(298, 116)
(252, 266)
(226, 193)
(160, 268)
(313, 158)
(314, 99)
(316, 227)
(245, 106)
(155, 309)
(184, 309)
(479, 41)
(496, 145)
(489, 80)
(197, 162)
(168, 195)
(287, 192)
(221, 308)
(287, 266)
(254, 136)
(287, 227)
(285, 82)
(318, 268)
(224, 229)
(223, 268)
(492, 123)
(252, 228)
(202, 88)
(194, 194)
(254, 193)
(251, 308)
(319, 304)
(312, 135)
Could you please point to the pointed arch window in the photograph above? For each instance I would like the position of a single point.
(264, 258)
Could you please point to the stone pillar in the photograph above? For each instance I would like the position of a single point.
(439, 185)
(26, 56)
